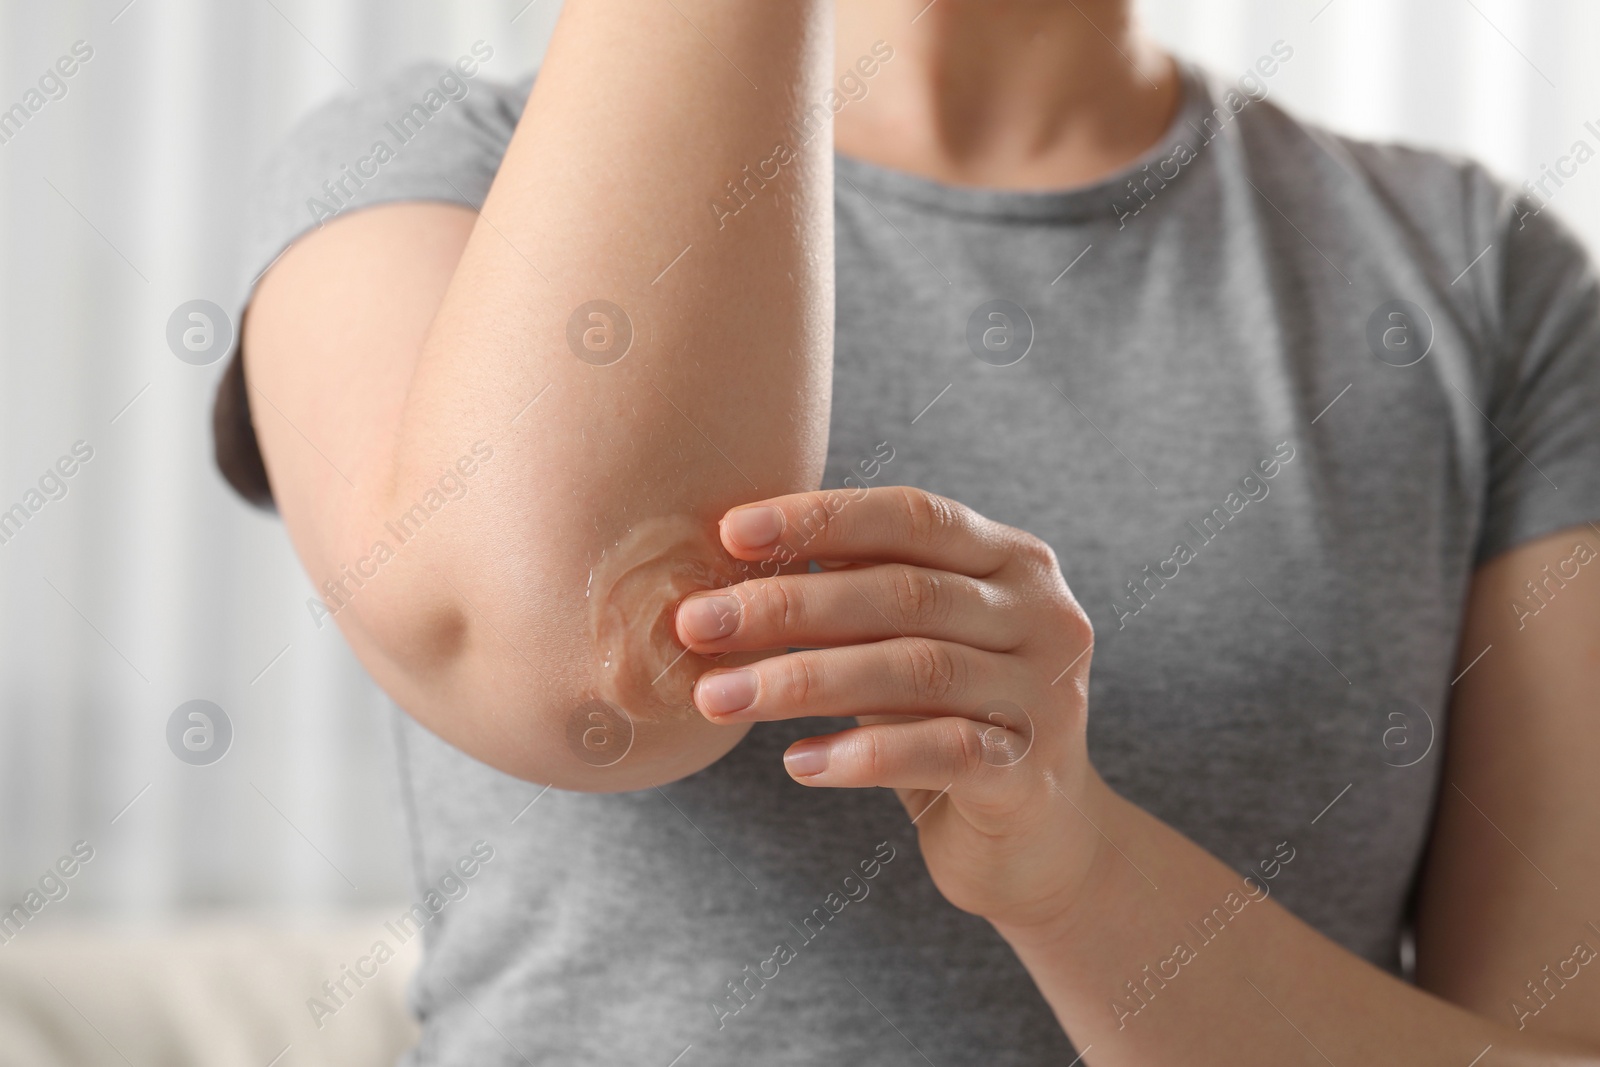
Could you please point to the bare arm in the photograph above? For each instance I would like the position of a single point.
(399, 348)
(1524, 742)
(1512, 883)
(1149, 949)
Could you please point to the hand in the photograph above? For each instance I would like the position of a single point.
(957, 646)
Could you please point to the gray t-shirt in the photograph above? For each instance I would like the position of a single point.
(1271, 394)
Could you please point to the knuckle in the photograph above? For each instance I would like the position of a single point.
(928, 518)
(777, 604)
(1062, 626)
(933, 672)
(1073, 622)
(1078, 626)
(918, 596)
(1037, 550)
(964, 753)
(801, 681)
(813, 523)
(873, 755)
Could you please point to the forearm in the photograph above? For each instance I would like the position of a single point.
(1169, 957)
(639, 120)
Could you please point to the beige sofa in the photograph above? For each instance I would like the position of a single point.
(229, 991)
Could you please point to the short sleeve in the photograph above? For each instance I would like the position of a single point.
(1544, 401)
(428, 132)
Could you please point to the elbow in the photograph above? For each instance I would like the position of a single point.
(411, 625)
(591, 693)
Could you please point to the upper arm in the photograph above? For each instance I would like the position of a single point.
(1511, 885)
(455, 622)
(329, 345)
(400, 344)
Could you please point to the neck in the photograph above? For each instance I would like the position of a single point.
(1013, 94)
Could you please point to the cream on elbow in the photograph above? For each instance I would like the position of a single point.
(634, 590)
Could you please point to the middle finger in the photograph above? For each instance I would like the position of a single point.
(902, 676)
(842, 607)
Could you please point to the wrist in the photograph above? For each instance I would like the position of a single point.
(1102, 816)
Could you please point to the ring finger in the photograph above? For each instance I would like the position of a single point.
(900, 676)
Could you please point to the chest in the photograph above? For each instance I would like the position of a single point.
(1270, 521)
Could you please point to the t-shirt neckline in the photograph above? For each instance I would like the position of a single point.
(1096, 197)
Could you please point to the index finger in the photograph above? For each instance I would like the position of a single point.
(885, 524)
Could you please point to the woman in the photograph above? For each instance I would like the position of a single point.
(1288, 413)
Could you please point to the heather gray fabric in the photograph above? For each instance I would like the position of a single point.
(1281, 678)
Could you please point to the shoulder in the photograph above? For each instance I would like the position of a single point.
(429, 131)
(432, 131)
(1388, 181)
(1437, 212)
(1517, 287)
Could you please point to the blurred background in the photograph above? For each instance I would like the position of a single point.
(148, 585)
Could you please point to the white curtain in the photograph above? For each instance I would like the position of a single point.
(147, 585)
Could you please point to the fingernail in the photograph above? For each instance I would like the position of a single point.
(754, 527)
(726, 692)
(806, 759)
(707, 618)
